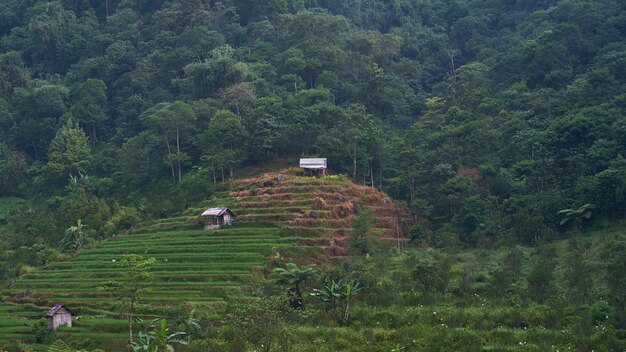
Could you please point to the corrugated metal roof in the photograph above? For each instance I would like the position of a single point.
(313, 163)
(216, 211)
(55, 309)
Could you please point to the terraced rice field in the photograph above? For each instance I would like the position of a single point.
(17, 323)
(192, 265)
(302, 215)
(319, 210)
(23, 322)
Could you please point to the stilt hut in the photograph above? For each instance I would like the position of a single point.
(217, 217)
(313, 166)
(59, 315)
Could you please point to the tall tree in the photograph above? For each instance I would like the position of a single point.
(89, 106)
(224, 141)
(174, 121)
(68, 152)
(354, 131)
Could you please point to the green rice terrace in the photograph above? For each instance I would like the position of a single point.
(191, 266)
(298, 216)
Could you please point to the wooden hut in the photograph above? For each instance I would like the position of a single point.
(59, 315)
(216, 217)
(314, 166)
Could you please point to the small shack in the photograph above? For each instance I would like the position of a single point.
(313, 166)
(216, 217)
(59, 315)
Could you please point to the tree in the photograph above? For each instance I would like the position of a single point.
(224, 142)
(294, 275)
(73, 237)
(240, 97)
(353, 131)
(541, 283)
(350, 289)
(13, 167)
(129, 287)
(361, 225)
(139, 160)
(13, 73)
(172, 121)
(266, 124)
(68, 153)
(89, 106)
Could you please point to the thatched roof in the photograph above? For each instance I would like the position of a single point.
(217, 211)
(313, 163)
(56, 308)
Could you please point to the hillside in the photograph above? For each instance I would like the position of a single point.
(476, 152)
(320, 210)
(514, 300)
(303, 218)
(191, 266)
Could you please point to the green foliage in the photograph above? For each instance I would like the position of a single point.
(73, 236)
(334, 292)
(259, 321)
(68, 153)
(578, 216)
(458, 115)
(361, 225)
(59, 346)
(128, 288)
(223, 142)
(487, 118)
(155, 337)
(541, 282)
(124, 218)
(294, 276)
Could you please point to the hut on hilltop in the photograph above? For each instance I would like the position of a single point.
(59, 315)
(216, 217)
(314, 166)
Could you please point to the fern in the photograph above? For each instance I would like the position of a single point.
(59, 346)
(24, 348)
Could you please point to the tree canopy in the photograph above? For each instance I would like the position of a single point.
(469, 111)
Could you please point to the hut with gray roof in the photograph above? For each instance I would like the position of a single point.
(314, 166)
(59, 315)
(217, 217)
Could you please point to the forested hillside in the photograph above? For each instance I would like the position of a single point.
(497, 123)
(486, 117)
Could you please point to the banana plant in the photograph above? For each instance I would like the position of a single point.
(155, 337)
(578, 216)
(73, 236)
(335, 292)
(350, 288)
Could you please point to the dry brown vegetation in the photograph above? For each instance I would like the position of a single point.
(327, 205)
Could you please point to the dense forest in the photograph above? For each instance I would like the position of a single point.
(486, 118)
(497, 123)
